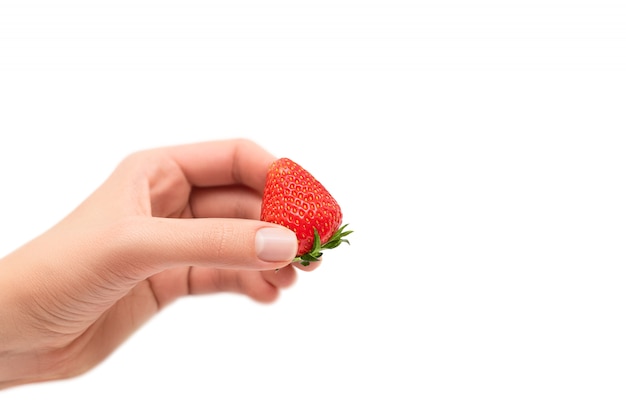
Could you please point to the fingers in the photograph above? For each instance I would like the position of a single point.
(229, 201)
(163, 181)
(148, 245)
(261, 286)
(310, 267)
(215, 163)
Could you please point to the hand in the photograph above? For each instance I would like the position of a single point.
(168, 222)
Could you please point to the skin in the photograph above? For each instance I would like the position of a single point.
(167, 223)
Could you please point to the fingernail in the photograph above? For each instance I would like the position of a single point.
(275, 244)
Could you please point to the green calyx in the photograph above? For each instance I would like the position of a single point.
(316, 252)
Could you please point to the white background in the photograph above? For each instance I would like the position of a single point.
(475, 148)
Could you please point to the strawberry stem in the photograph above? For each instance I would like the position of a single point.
(315, 253)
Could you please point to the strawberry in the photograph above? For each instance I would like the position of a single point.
(295, 199)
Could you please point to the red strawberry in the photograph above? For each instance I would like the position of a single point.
(295, 199)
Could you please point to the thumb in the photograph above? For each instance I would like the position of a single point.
(154, 244)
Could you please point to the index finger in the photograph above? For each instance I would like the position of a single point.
(223, 162)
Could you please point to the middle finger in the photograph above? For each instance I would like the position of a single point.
(226, 202)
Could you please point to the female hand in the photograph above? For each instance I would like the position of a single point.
(168, 222)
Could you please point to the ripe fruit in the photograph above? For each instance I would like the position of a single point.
(295, 199)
